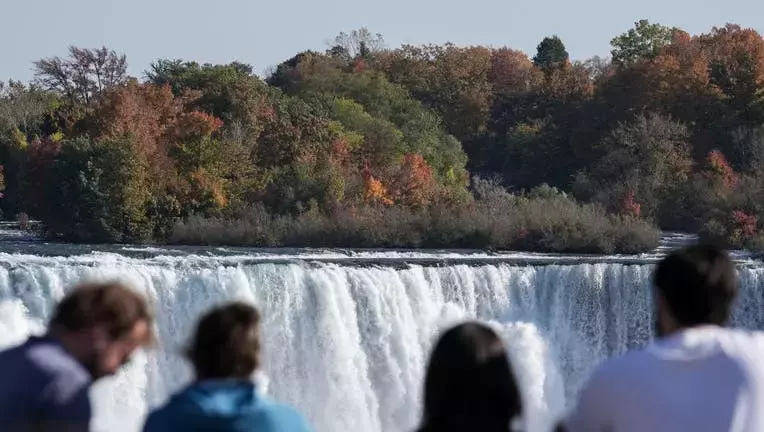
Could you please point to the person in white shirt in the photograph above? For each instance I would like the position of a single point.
(697, 375)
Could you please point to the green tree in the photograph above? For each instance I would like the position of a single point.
(551, 54)
(98, 192)
(644, 41)
(222, 89)
(320, 80)
(648, 158)
(24, 107)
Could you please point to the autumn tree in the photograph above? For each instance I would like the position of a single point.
(374, 192)
(719, 171)
(412, 182)
(178, 147)
(736, 64)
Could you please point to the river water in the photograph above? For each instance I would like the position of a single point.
(347, 333)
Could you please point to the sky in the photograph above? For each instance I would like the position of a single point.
(264, 33)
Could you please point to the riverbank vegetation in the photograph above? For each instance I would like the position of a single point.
(364, 145)
(544, 220)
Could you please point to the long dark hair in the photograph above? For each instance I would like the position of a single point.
(470, 384)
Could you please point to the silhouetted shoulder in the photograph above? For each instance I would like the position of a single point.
(43, 378)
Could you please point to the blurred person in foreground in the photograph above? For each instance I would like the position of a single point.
(225, 354)
(697, 375)
(44, 382)
(470, 384)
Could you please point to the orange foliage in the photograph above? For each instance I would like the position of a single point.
(211, 189)
(511, 71)
(159, 122)
(144, 112)
(414, 183)
(681, 70)
(726, 64)
(736, 56)
(197, 124)
(374, 190)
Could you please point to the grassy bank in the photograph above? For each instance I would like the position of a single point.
(539, 222)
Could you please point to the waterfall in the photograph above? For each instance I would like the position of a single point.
(348, 345)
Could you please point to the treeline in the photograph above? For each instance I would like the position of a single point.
(362, 145)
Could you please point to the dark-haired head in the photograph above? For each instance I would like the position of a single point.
(227, 343)
(694, 286)
(470, 384)
(102, 324)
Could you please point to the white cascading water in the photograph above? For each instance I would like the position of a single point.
(348, 345)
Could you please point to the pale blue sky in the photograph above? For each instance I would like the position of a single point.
(263, 33)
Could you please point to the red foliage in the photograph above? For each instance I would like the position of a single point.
(157, 122)
(629, 205)
(747, 224)
(718, 169)
(359, 66)
(145, 112)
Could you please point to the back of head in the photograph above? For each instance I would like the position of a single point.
(111, 305)
(227, 343)
(698, 284)
(470, 384)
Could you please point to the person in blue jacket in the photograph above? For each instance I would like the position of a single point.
(225, 354)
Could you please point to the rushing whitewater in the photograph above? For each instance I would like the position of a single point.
(348, 344)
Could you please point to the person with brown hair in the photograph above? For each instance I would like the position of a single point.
(225, 354)
(696, 375)
(470, 384)
(45, 381)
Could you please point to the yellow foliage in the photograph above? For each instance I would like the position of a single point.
(19, 139)
(375, 191)
(57, 137)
